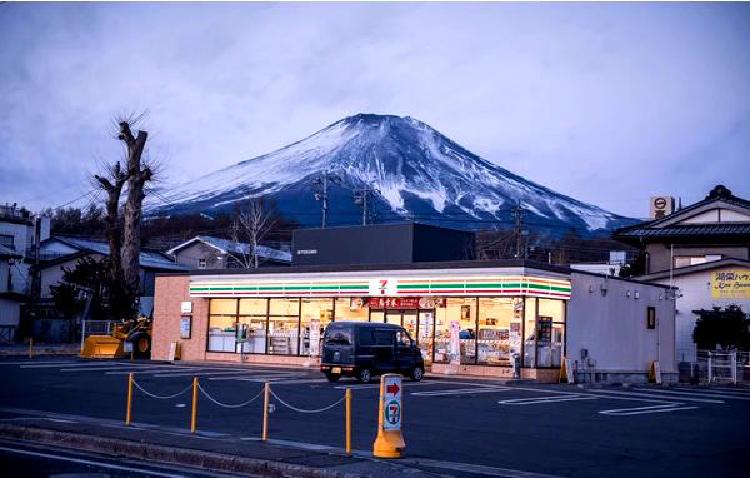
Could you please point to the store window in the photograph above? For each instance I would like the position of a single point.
(499, 331)
(529, 332)
(316, 314)
(351, 309)
(550, 332)
(222, 322)
(252, 315)
(463, 311)
(283, 326)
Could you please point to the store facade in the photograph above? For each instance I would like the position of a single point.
(467, 317)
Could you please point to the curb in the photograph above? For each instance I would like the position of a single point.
(211, 461)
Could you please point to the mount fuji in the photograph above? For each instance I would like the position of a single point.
(413, 171)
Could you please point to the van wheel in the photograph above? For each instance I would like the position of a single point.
(364, 375)
(333, 377)
(417, 374)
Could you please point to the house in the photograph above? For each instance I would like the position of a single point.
(704, 251)
(19, 232)
(718, 227)
(208, 252)
(58, 253)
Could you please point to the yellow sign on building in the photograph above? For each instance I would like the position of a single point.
(730, 284)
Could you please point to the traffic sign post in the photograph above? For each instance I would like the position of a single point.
(389, 442)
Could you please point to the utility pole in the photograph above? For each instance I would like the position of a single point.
(360, 199)
(322, 194)
(519, 232)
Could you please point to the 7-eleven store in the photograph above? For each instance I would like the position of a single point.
(466, 317)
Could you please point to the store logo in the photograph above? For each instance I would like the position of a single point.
(383, 287)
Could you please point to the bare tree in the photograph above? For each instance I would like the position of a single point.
(138, 175)
(253, 222)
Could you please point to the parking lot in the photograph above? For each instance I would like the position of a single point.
(458, 425)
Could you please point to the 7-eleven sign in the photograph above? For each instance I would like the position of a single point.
(383, 286)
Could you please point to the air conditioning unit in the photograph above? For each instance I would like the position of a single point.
(661, 206)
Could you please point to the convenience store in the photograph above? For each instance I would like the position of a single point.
(468, 317)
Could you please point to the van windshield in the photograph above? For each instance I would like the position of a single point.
(338, 336)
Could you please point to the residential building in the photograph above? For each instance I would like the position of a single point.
(58, 253)
(19, 233)
(209, 252)
(703, 250)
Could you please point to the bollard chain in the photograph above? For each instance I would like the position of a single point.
(161, 397)
(228, 405)
(302, 410)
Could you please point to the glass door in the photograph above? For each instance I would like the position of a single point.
(393, 317)
(425, 334)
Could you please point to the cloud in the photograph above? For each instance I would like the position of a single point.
(607, 103)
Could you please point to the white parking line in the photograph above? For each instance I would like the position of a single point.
(412, 384)
(81, 461)
(258, 378)
(42, 362)
(126, 371)
(299, 381)
(142, 369)
(162, 374)
(85, 364)
(666, 408)
(698, 394)
(546, 399)
(460, 391)
(657, 396)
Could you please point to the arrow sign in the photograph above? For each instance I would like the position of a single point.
(392, 388)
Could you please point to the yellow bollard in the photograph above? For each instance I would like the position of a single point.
(348, 400)
(129, 405)
(194, 414)
(31, 347)
(389, 442)
(266, 399)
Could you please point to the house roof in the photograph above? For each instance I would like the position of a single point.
(706, 266)
(226, 246)
(75, 246)
(670, 227)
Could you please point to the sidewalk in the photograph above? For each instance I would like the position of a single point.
(205, 450)
(22, 350)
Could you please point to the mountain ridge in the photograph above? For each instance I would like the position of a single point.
(418, 173)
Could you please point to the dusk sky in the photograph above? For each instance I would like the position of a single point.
(607, 103)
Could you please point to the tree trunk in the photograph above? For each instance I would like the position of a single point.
(137, 179)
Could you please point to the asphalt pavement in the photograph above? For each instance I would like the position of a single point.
(452, 426)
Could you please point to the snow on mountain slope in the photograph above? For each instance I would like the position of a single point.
(418, 173)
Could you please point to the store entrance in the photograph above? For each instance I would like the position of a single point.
(419, 323)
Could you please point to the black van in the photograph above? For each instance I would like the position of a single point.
(365, 349)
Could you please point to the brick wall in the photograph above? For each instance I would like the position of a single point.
(170, 292)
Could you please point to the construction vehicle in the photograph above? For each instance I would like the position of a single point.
(129, 336)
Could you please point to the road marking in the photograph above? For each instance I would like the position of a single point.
(412, 384)
(260, 378)
(126, 371)
(460, 391)
(163, 374)
(699, 394)
(142, 369)
(546, 399)
(28, 362)
(86, 364)
(82, 461)
(666, 408)
(661, 397)
(299, 381)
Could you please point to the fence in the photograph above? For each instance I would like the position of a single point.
(268, 407)
(722, 367)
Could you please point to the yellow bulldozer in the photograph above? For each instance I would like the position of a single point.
(129, 336)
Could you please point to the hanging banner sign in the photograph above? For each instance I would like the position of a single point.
(730, 284)
(405, 302)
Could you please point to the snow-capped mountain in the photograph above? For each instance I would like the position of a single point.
(416, 174)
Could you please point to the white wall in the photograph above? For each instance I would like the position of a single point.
(613, 327)
(10, 312)
(53, 275)
(22, 234)
(694, 292)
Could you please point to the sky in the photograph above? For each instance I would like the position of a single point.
(607, 103)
